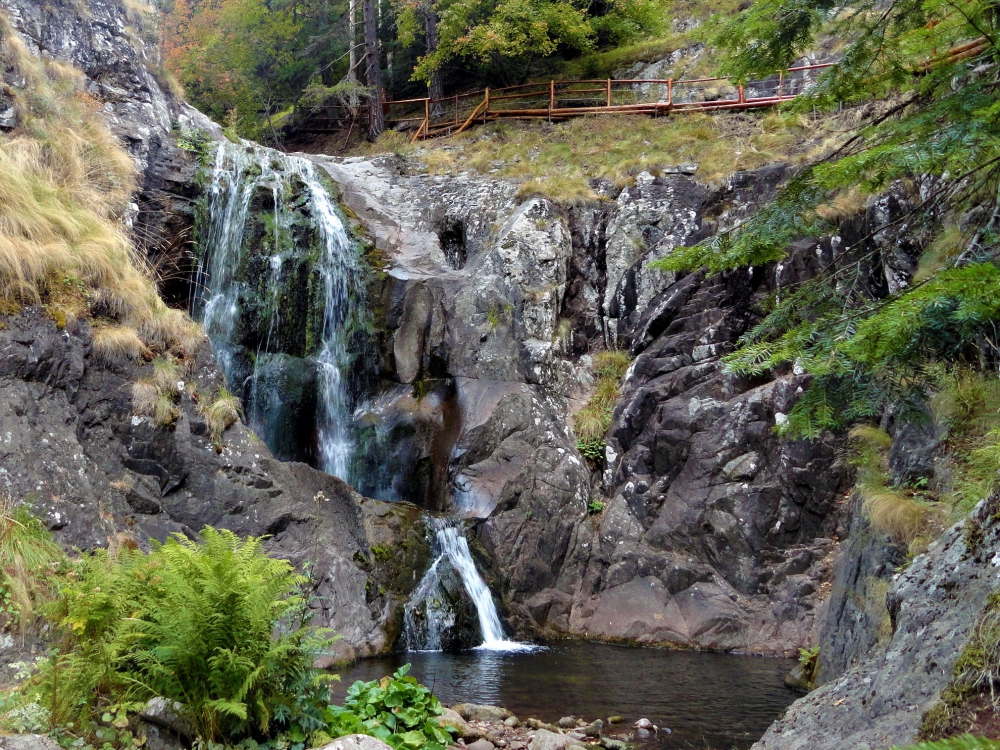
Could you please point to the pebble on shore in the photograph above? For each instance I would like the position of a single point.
(490, 727)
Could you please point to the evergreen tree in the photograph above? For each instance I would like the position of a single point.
(927, 69)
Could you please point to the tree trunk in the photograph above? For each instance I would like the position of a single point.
(435, 89)
(373, 77)
(352, 14)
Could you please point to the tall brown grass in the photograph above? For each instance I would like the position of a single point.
(66, 185)
(897, 512)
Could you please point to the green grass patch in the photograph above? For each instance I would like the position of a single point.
(561, 160)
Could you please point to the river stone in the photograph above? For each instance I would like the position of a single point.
(476, 712)
(158, 738)
(467, 732)
(482, 744)
(567, 722)
(546, 740)
(612, 744)
(511, 722)
(163, 713)
(28, 742)
(356, 742)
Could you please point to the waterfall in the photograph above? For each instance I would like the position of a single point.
(425, 632)
(247, 325)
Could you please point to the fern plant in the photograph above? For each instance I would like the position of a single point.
(214, 625)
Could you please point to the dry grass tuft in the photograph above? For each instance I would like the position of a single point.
(872, 436)
(901, 513)
(612, 364)
(28, 555)
(66, 185)
(221, 413)
(166, 375)
(902, 518)
(144, 397)
(116, 345)
(167, 328)
(605, 394)
(165, 411)
(591, 422)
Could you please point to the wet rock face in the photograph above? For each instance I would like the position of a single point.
(716, 532)
(857, 623)
(71, 447)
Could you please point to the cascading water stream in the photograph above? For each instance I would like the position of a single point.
(425, 633)
(226, 297)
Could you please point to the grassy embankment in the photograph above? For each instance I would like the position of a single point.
(63, 202)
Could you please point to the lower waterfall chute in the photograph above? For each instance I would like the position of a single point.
(428, 617)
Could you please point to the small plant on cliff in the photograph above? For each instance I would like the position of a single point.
(223, 412)
(397, 710)
(215, 625)
(901, 513)
(592, 422)
(809, 659)
(28, 558)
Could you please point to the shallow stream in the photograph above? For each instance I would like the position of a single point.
(718, 701)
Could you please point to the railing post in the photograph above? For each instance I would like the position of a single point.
(552, 99)
(609, 94)
(670, 92)
(427, 111)
(781, 76)
(486, 111)
(456, 110)
(741, 94)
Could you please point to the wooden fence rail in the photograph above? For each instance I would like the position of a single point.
(556, 101)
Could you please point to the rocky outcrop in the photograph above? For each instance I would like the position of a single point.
(716, 533)
(71, 446)
(116, 47)
(933, 606)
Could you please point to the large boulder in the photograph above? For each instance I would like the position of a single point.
(478, 712)
(933, 606)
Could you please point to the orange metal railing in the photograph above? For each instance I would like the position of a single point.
(560, 100)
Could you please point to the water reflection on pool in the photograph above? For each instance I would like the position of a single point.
(718, 701)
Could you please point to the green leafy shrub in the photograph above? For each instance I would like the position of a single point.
(397, 710)
(215, 625)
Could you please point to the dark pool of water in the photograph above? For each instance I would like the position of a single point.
(718, 701)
